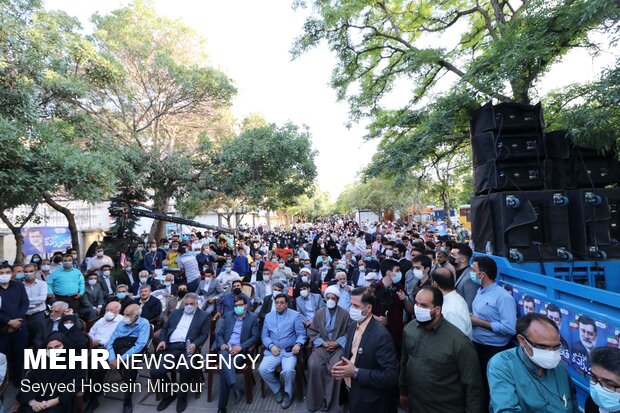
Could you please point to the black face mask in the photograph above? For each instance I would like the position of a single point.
(451, 260)
(181, 293)
(57, 260)
(237, 291)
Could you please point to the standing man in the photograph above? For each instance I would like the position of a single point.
(67, 283)
(461, 254)
(283, 336)
(368, 365)
(494, 314)
(454, 307)
(439, 370)
(36, 289)
(14, 305)
(189, 267)
(327, 333)
(239, 332)
(530, 378)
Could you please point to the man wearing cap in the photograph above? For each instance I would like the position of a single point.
(327, 333)
(308, 303)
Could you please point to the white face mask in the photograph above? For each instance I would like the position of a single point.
(109, 316)
(106, 273)
(389, 253)
(546, 359)
(99, 253)
(304, 279)
(127, 320)
(418, 274)
(92, 282)
(357, 315)
(253, 269)
(68, 326)
(5, 278)
(167, 283)
(304, 293)
(331, 304)
(45, 268)
(422, 314)
(143, 280)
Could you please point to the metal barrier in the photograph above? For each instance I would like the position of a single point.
(587, 316)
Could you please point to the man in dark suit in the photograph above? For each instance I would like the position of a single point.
(92, 299)
(144, 279)
(369, 366)
(51, 324)
(238, 333)
(189, 324)
(151, 306)
(108, 284)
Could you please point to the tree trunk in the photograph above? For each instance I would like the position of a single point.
(75, 236)
(17, 233)
(268, 221)
(158, 228)
(446, 208)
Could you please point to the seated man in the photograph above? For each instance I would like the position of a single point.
(328, 334)
(144, 279)
(92, 299)
(185, 331)
(604, 380)
(530, 378)
(151, 306)
(122, 297)
(238, 333)
(130, 337)
(102, 330)
(308, 303)
(51, 324)
(227, 303)
(108, 284)
(283, 336)
(169, 288)
(175, 302)
(72, 329)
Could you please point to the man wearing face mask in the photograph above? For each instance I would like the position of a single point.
(144, 279)
(227, 303)
(340, 281)
(417, 278)
(211, 289)
(13, 319)
(102, 330)
(51, 324)
(92, 300)
(98, 261)
(154, 258)
(308, 304)
(604, 381)
(37, 296)
(283, 273)
(169, 288)
(189, 268)
(150, 306)
(108, 283)
(327, 333)
(390, 304)
(129, 338)
(530, 378)
(368, 366)
(461, 254)
(227, 276)
(437, 355)
(122, 296)
(239, 332)
(67, 284)
(45, 270)
(494, 314)
(186, 330)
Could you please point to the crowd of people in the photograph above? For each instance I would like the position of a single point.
(374, 316)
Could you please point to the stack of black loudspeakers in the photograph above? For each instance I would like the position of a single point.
(540, 196)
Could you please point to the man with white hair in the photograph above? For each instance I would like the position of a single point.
(144, 279)
(345, 290)
(102, 330)
(327, 333)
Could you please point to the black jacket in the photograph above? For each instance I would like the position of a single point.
(375, 389)
(249, 331)
(198, 329)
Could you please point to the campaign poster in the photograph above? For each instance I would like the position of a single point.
(586, 334)
(561, 318)
(528, 304)
(45, 240)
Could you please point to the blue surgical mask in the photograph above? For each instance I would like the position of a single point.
(476, 280)
(121, 296)
(239, 310)
(396, 277)
(19, 276)
(609, 401)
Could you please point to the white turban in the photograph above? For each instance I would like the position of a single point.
(332, 289)
(307, 270)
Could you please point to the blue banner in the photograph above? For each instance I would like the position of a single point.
(46, 240)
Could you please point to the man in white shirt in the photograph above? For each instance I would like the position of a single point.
(99, 260)
(37, 294)
(454, 308)
(189, 266)
(227, 276)
(102, 330)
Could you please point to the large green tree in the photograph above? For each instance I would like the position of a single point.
(166, 101)
(45, 66)
(490, 49)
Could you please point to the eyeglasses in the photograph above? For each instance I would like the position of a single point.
(607, 385)
(542, 346)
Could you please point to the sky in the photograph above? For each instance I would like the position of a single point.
(251, 40)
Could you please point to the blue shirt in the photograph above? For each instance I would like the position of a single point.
(345, 299)
(65, 282)
(240, 265)
(516, 387)
(283, 330)
(495, 305)
(140, 329)
(235, 337)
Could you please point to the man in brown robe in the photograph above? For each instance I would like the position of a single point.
(327, 333)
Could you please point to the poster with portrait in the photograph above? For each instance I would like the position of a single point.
(586, 334)
(46, 240)
(561, 318)
(528, 304)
